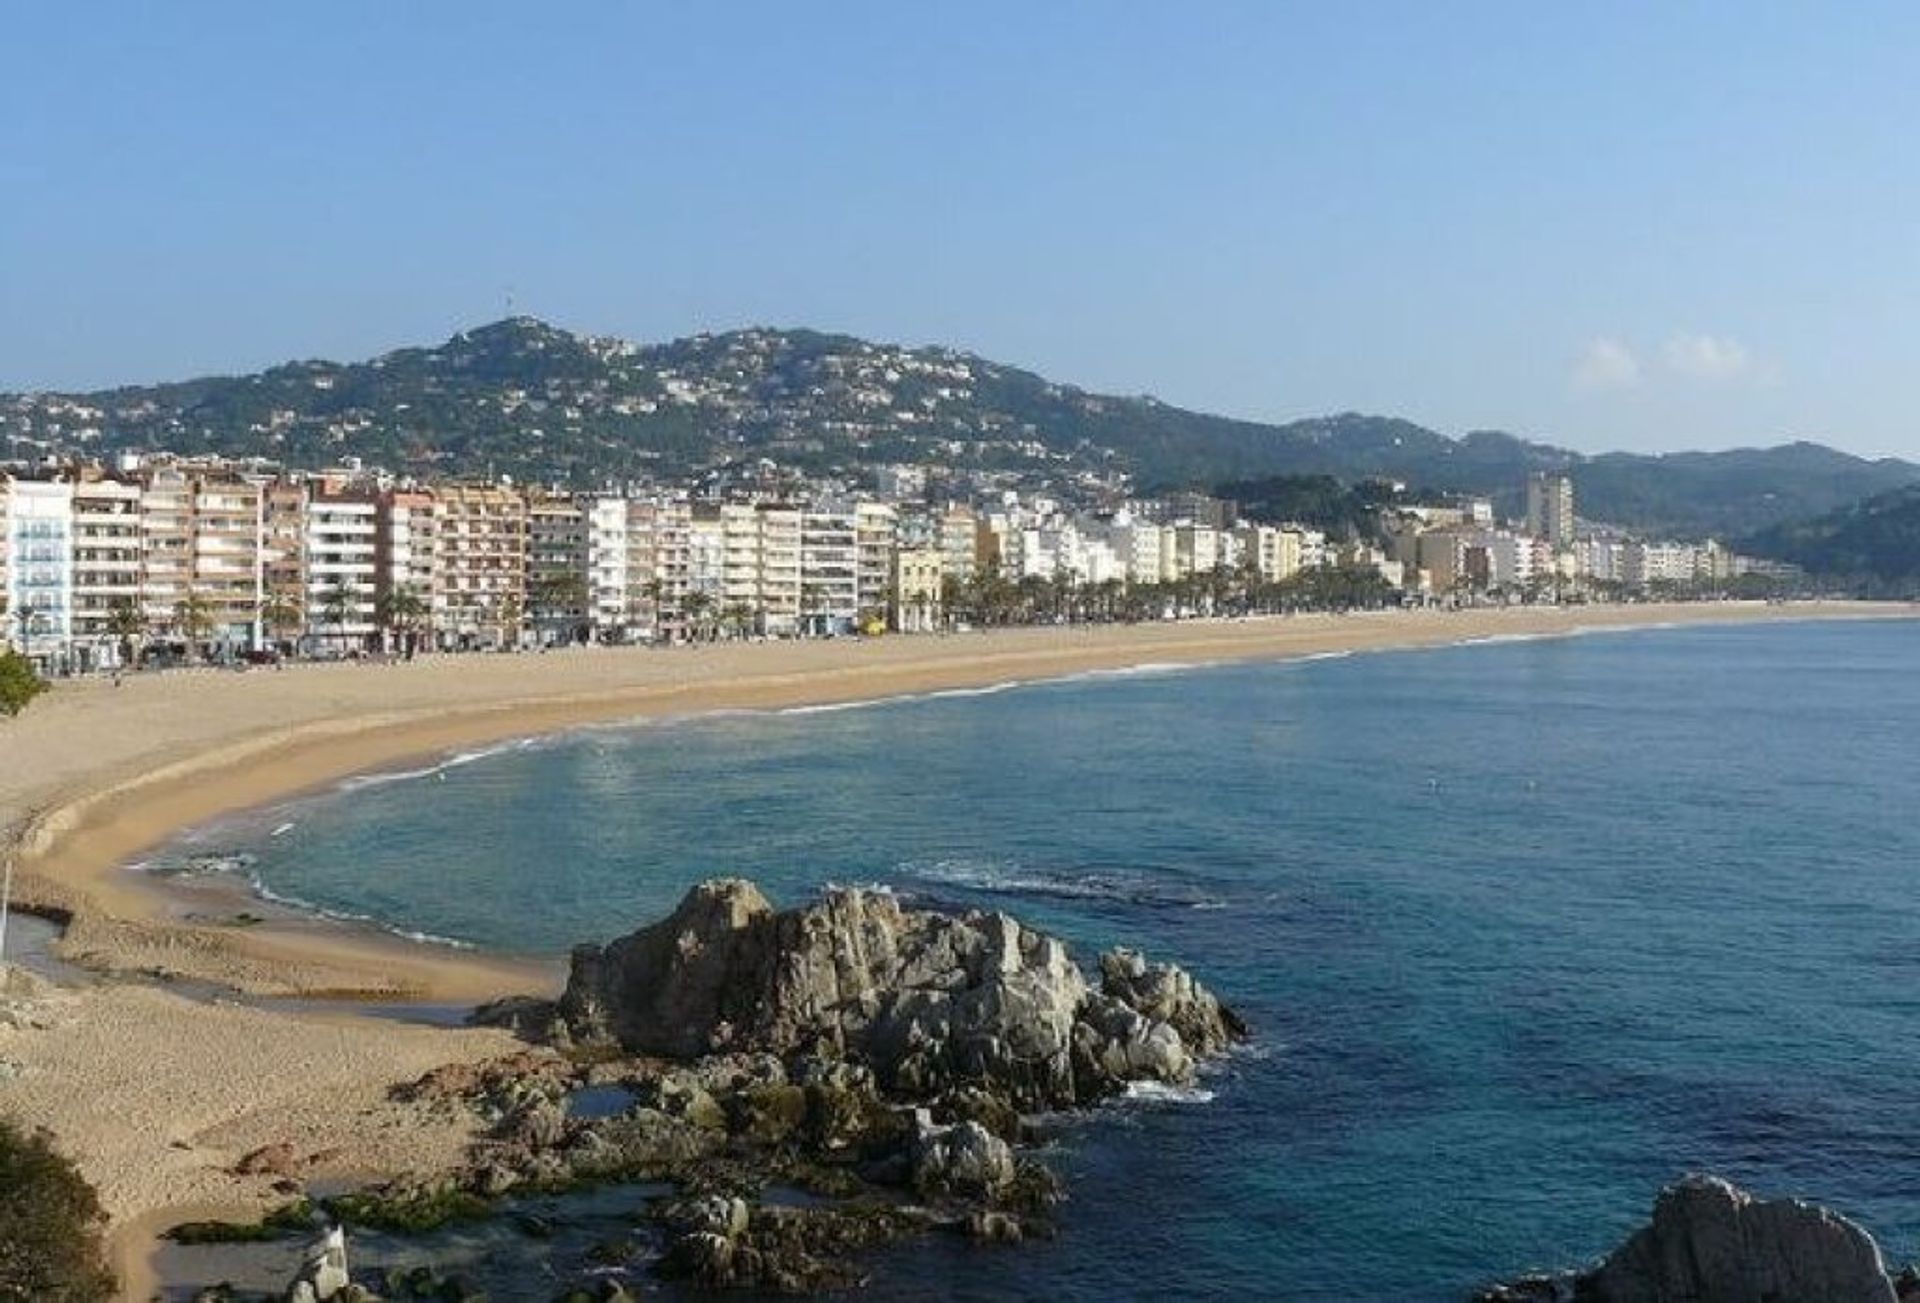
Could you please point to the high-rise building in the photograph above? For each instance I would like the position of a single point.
(39, 577)
(202, 578)
(106, 570)
(556, 568)
(482, 535)
(341, 568)
(1550, 507)
(829, 571)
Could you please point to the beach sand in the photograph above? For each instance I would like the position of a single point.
(155, 1094)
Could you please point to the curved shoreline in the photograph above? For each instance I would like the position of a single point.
(114, 771)
(70, 853)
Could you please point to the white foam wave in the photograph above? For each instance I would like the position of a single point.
(1000, 878)
(288, 901)
(283, 829)
(455, 761)
(1160, 1092)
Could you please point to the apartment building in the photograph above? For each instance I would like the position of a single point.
(557, 568)
(407, 560)
(876, 535)
(6, 567)
(1550, 507)
(106, 571)
(916, 603)
(283, 560)
(829, 572)
(342, 568)
(202, 577)
(482, 537)
(39, 572)
(960, 544)
(781, 574)
(604, 520)
(1274, 552)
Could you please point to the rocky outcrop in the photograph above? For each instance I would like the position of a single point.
(323, 1271)
(1718, 1244)
(929, 1002)
(964, 1158)
(1711, 1242)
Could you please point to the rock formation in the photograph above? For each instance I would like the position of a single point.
(930, 1002)
(323, 1272)
(1710, 1242)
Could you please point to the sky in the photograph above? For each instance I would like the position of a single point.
(1608, 225)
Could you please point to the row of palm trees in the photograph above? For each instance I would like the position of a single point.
(990, 598)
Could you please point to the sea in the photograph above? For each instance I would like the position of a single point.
(1526, 929)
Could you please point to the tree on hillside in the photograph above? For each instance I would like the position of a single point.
(51, 1249)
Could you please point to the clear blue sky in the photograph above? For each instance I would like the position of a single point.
(1614, 225)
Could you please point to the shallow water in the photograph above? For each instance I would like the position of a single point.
(1526, 930)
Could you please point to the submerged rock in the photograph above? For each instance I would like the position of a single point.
(1711, 1242)
(930, 1002)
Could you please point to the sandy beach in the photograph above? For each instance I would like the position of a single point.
(156, 1094)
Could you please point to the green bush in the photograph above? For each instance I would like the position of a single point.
(51, 1249)
(18, 683)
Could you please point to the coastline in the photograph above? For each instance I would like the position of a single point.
(70, 845)
(196, 1084)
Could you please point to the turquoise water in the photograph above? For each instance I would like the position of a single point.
(1526, 930)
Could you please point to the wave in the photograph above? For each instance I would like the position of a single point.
(1160, 1092)
(381, 778)
(1012, 880)
(297, 904)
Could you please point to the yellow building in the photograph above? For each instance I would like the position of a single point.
(917, 605)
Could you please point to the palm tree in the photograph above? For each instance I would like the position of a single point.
(697, 605)
(194, 622)
(126, 622)
(655, 591)
(335, 606)
(281, 616)
(512, 616)
(399, 611)
(737, 616)
(556, 595)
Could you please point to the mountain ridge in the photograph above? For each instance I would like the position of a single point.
(522, 396)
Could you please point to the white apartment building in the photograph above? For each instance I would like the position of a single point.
(1275, 552)
(781, 576)
(106, 570)
(876, 536)
(829, 572)
(39, 571)
(605, 522)
(706, 563)
(342, 569)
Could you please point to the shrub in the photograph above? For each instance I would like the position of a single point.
(18, 682)
(51, 1249)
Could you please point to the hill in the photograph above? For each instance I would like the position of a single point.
(1874, 544)
(525, 398)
